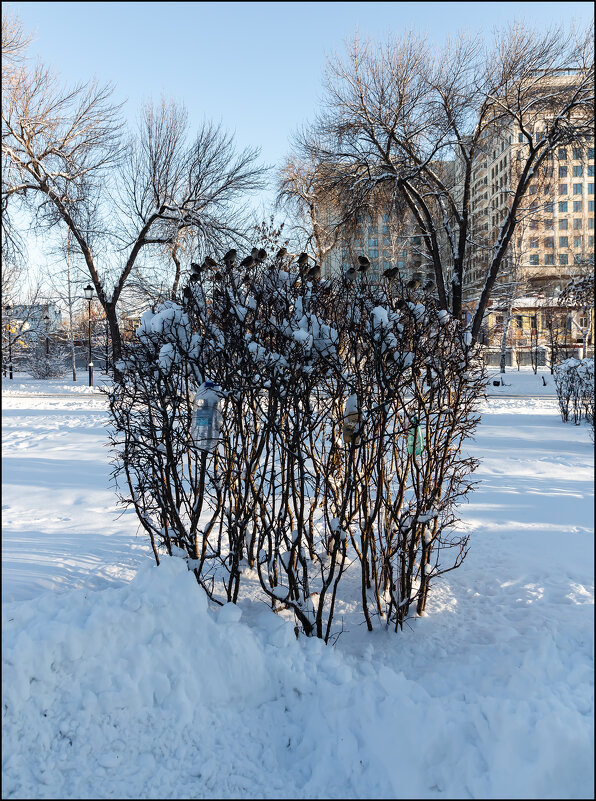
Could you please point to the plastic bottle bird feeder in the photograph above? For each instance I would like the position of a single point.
(206, 417)
(351, 421)
(415, 438)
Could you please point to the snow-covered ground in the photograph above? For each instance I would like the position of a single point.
(119, 681)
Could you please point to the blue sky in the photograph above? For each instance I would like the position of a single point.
(255, 67)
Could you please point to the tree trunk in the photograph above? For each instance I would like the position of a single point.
(70, 302)
(504, 339)
(110, 310)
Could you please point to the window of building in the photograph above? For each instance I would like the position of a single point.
(562, 172)
(563, 241)
(534, 242)
(373, 242)
(385, 229)
(549, 258)
(563, 258)
(562, 205)
(577, 241)
(577, 205)
(548, 172)
(590, 170)
(591, 241)
(548, 224)
(590, 222)
(533, 189)
(590, 152)
(563, 225)
(533, 225)
(373, 254)
(590, 189)
(549, 241)
(590, 205)
(578, 258)
(519, 321)
(578, 171)
(549, 208)
(562, 154)
(577, 189)
(577, 224)
(577, 153)
(534, 259)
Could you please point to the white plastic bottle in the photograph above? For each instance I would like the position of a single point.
(206, 417)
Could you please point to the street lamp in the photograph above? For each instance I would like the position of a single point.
(46, 321)
(88, 290)
(8, 310)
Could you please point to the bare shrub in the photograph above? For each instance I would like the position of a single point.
(343, 407)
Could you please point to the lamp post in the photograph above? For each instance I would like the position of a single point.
(46, 321)
(88, 290)
(8, 310)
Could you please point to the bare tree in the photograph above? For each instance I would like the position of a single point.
(66, 160)
(14, 48)
(301, 191)
(579, 295)
(404, 116)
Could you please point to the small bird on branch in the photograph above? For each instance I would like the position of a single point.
(248, 262)
(413, 284)
(363, 264)
(390, 272)
(281, 253)
(350, 274)
(254, 253)
(230, 257)
(429, 286)
(314, 273)
(196, 268)
(261, 255)
(303, 260)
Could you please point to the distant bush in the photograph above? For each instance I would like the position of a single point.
(40, 364)
(574, 380)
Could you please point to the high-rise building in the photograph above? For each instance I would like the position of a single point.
(553, 241)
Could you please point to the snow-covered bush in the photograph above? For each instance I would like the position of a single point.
(343, 410)
(574, 380)
(40, 363)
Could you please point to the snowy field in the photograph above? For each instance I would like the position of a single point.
(120, 682)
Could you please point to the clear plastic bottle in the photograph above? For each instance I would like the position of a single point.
(206, 417)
